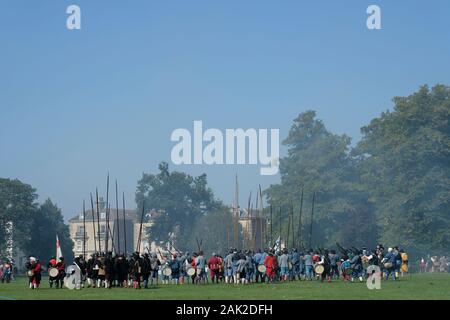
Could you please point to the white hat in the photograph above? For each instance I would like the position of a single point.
(32, 259)
(390, 249)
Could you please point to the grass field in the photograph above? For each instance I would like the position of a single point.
(414, 287)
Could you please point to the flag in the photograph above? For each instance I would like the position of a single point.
(58, 249)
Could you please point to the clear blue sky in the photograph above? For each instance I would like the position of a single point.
(75, 104)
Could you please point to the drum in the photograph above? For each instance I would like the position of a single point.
(388, 265)
(319, 269)
(30, 273)
(53, 272)
(262, 268)
(166, 271)
(190, 271)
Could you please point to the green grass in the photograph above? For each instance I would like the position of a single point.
(415, 287)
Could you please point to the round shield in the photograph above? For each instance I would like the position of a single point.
(190, 271)
(166, 271)
(319, 269)
(290, 265)
(53, 272)
(262, 268)
(30, 273)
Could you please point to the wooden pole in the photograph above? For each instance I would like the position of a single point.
(312, 218)
(107, 215)
(124, 224)
(84, 229)
(98, 222)
(93, 224)
(299, 231)
(117, 219)
(138, 246)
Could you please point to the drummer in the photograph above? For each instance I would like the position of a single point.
(52, 265)
(258, 258)
(35, 273)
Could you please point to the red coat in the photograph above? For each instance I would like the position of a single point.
(213, 263)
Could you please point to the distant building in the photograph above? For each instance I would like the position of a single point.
(254, 229)
(118, 228)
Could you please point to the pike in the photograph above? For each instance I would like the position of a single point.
(93, 223)
(288, 230)
(292, 224)
(111, 234)
(261, 214)
(117, 219)
(271, 224)
(299, 231)
(107, 215)
(236, 215)
(312, 217)
(84, 229)
(138, 245)
(98, 222)
(124, 224)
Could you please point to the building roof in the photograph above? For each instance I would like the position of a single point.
(129, 215)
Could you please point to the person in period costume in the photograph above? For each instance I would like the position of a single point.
(154, 267)
(388, 262)
(228, 266)
(90, 275)
(61, 266)
(53, 280)
(249, 267)
(309, 265)
(404, 266)
(258, 258)
(200, 263)
(146, 270)
(100, 268)
(36, 269)
(109, 270)
(136, 270)
(122, 267)
(271, 266)
(6, 272)
(334, 260)
(175, 266)
(81, 263)
(284, 265)
(356, 265)
(326, 263)
(214, 266)
(295, 260)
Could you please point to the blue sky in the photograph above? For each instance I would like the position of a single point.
(75, 104)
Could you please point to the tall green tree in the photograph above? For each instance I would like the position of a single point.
(405, 165)
(319, 162)
(181, 199)
(47, 222)
(17, 206)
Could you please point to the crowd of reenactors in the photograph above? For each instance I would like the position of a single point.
(106, 270)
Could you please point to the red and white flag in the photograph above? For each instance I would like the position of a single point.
(58, 249)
